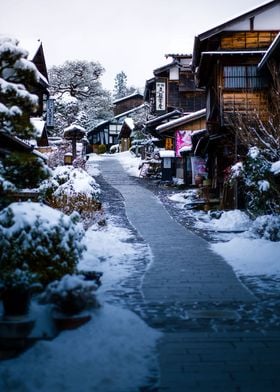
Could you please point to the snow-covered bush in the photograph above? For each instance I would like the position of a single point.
(71, 294)
(73, 189)
(44, 239)
(70, 181)
(18, 278)
(257, 182)
(28, 164)
(267, 227)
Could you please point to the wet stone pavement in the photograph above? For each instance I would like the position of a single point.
(219, 333)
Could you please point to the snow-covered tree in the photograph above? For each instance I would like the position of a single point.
(80, 97)
(258, 183)
(120, 87)
(17, 76)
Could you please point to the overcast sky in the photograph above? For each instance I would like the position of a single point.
(128, 35)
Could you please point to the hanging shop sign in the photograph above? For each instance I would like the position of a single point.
(160, 96)
(183, 142)
(50, 113)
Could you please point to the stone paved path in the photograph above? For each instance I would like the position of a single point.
(208, 348)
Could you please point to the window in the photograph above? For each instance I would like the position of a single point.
(242, 77)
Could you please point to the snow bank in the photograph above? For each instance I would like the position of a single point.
(113, 352)
(251, 256)
(235, 220)
(109, 251)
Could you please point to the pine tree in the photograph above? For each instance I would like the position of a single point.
(80, 97)
(120, 88)
(17, 77)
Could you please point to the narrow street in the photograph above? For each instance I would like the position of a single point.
(193, 296)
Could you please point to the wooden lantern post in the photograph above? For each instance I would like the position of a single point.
(74, 132)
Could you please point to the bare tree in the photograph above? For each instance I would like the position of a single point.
(252, 129)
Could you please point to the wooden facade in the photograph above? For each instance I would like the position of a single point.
(178, 88)
(125, 104)
(226, 60)
(193, 126)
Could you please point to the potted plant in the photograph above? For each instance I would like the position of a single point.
(71, 295)
(16, 287)
(46, 241)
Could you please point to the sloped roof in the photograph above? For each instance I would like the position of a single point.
(273, 50)
(134, 95)
(253, 12)
(181, 120)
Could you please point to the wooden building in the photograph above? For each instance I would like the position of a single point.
(43, 118)
(107, 132)
(188, 138)
(173, 88)
(227, 61)
(127, 103)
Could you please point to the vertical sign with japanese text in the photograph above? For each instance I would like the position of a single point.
(50, 113)
(160, 96)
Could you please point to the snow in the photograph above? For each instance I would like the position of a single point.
(109, 251)
(38, 124)
(108, 354)
(79, 182)
(241, 246)
(254, 152)
(185, 149)
(275, 167)
(167, 153)
(72, 181)
(233, 221)
(26, 213)
(251, 256)
(130, 123)
(115, 350)
(263, 185)
(129, 162)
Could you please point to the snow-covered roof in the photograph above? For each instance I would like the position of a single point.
(185, 149)
(38, 124)
(167, 153)
(181, 120)
(129, 122)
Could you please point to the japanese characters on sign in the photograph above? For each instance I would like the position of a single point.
(50, 113)
(160, 96)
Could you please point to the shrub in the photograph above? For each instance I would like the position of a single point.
(46, 240)
(71, 294)
(88, 208)
(102, 149)
(267, 227)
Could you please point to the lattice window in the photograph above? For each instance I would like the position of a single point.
(242, 77)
